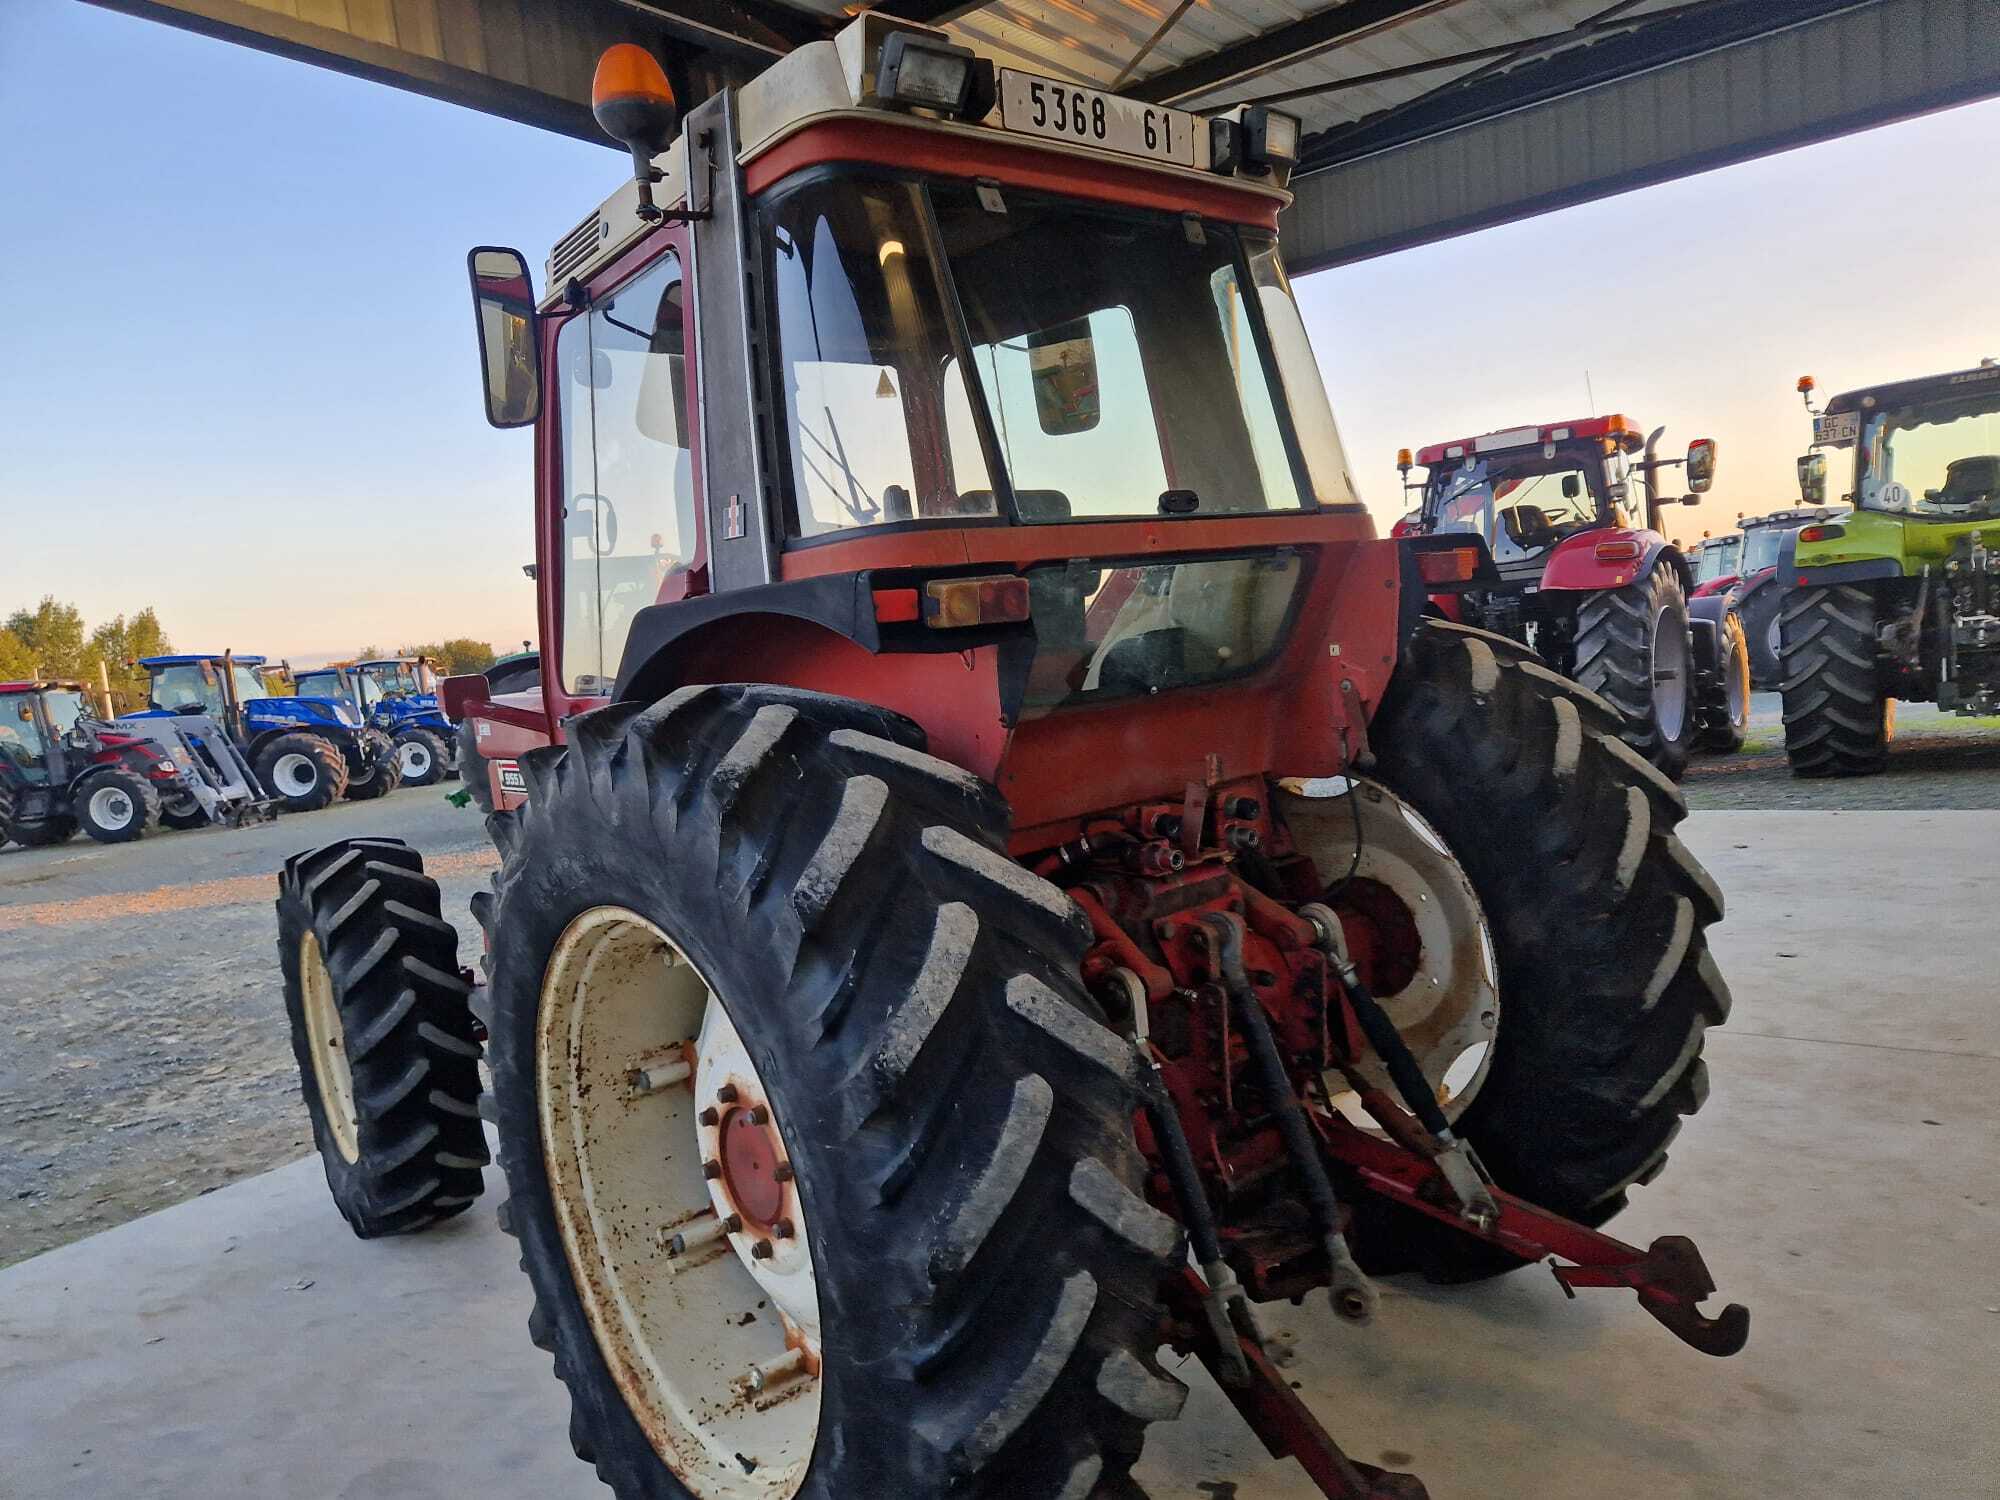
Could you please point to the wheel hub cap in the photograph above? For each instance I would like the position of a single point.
(295, 775)
(110, 807)
(685, 1234)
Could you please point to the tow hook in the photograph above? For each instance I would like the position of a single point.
(1671, 1279)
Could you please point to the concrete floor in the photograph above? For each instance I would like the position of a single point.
(1840, 1182)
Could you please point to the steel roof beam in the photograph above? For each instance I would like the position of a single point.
(1319, 32)
(1687, 32)
(928, 12)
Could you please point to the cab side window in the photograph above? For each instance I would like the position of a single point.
(628, 492)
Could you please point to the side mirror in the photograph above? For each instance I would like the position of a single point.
(1812, 478)
(1062, 364)
(1701, 464)
(1572, 486)
(503, 301)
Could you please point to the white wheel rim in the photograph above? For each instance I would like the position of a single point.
(1670, 660)
(414, 757)
(294, 775)
(1448, 1012)
(1738, 668)
(184, 806)
(328, 1042)
(111, 808)
(632, 1047)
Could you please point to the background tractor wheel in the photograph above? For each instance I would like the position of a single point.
(473, 771)
(1837, 718)
(1633, 650)
(1725, 710)
(385, 772)
(1598, 915)
(184, 811)
(382, 1034)
(39, 833)
(303, 771)
(785, 879)
(421, 757)
(117, 806)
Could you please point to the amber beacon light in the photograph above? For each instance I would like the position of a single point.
(634, 105)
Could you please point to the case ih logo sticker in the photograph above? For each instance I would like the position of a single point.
(511, 779)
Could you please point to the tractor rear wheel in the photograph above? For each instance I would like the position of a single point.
(1634, 650)
(1725, 709)
(385, 770)
(117, 806)
(421, 757)
(1598, 915)
(789, 1056)
(303, 771)
(1838, 721)
(382, 1033)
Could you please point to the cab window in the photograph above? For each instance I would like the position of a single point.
(628, 479)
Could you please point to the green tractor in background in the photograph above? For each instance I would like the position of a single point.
(1901, 599)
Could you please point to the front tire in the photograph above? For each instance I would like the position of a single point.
(303, 771)
(421, 757)
(1725, 709)
(183, 812)
(1635, 651)
(382, 1033)
(957, 1119)
(117, 807)
(385, 772)
(1837, 718)
(1598, 915)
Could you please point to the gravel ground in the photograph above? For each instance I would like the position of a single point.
(144, 1056)
(1936, 761)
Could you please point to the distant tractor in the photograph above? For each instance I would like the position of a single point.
(426, 743)
(306, 751)
(1714, 560)
(63, 768)
(1753, 581)
(1552, 536)
(1900, 598)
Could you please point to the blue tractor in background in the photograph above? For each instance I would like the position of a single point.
(426, 742)
(306, 751)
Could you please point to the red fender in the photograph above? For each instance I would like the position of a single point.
(1609, 557)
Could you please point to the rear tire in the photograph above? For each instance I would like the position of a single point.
(384, 775)
(1599, 917)
(117, 807)
(303, 772)
(40, 833)
(1626, 654)
(382, 1033)
(958, 1118)
(1725, 708)
(421, 756)
(1837, 718)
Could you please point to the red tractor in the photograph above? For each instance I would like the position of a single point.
(61, 769)
(1010, 878)
(1552, 536)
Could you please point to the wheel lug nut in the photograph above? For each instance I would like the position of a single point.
(709, 1117)
(762, 1250)
(711, 1170)
(782, 1229)
(760, 1115)
(727, 1093)
(782, 1171)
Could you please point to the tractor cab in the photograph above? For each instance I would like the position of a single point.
(1715, 562)
(357, 689)
(37, 721)
(211, 685)
(401, 676)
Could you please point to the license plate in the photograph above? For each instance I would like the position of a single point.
(511, 779)
(1837, 427)
(1065, 112)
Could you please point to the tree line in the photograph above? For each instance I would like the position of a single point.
(53, 641)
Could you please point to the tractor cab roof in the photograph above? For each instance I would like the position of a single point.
(1615, 426)
(42, 686)
(1900, 393)
(1798, 515)
(829, 101)
(196, 659)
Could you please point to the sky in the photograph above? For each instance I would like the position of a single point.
(242, 385)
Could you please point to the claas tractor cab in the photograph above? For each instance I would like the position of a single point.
(1901, 598)
(63, 767)
(306, 750)
(1008, 877)
(398, 696)
(1554, 536)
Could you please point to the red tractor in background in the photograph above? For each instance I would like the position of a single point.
(1552, 536)
(62, 768)
(999, 874)
(1753, 579)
